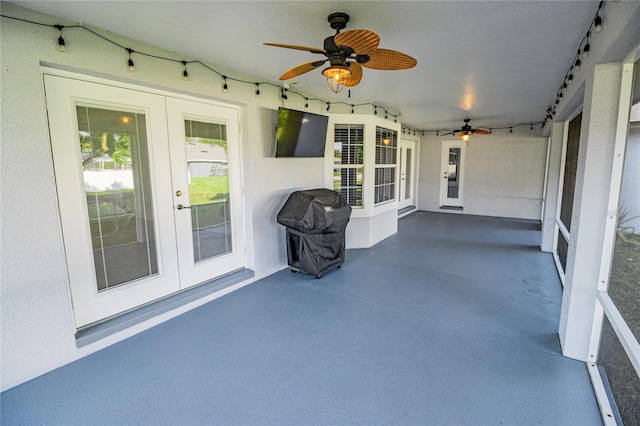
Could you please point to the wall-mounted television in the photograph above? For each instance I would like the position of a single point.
(300, 133)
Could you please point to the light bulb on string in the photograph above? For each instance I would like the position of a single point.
(61, 43)
(130, 61)
(185, 73)
(586, 48)
(597, 23)
(257, 90)
(306, 102)
(225, 87)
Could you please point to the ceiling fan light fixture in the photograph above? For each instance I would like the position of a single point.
(336, 75)
(466, 137)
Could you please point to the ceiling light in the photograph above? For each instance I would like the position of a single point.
(466, 137)
(336, 77)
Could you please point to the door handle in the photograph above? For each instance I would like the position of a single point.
(180, 207)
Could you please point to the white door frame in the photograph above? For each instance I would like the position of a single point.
(403, 201)
(191, 272)
(64, 89)
(89, 304)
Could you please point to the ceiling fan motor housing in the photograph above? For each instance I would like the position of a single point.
(338, 20)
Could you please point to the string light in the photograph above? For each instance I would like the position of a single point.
(351, 108)
(328, 106)
(61, 44)
(586, 48)
(130, 61)
(185, 74)
(583, 51)
(597, 23)
(257, 90)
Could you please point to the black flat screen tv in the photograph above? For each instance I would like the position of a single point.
(300, 133)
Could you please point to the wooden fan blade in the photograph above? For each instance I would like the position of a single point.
(480, 131)
(361, 41)
(386, 59)
(461, 134)
(356, 74)
(296, 47)
(301, 69)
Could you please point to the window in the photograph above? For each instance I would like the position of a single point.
(385, 171)
(348, 160)
(570, 170)
(563, 218)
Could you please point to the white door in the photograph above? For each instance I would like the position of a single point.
(120, 158)
(407, 173)
(452, 174)
(205, 155)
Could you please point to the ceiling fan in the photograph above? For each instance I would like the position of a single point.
(466, 131)
(347, 53)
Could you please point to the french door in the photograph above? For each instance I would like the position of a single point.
(407, 173)
(452, 174)
(149, 193)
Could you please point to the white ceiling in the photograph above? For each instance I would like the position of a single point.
(496, 62)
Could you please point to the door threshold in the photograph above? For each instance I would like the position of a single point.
(406, 210)
(119, 322)
(451, 208)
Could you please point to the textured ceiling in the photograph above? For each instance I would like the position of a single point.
(496, 62)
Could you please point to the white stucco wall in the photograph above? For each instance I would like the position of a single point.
(504, 173)
(37, 332)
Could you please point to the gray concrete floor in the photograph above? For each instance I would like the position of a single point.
(451, 321)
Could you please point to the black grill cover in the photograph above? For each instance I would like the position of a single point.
(316, 220)
(315, 211)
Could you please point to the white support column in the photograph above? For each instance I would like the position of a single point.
(597, 140)
(551, 193)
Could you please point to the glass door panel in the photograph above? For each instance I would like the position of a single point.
(453, 184)
(208, 174)
(407, 166)
(407, 174)
(451, 189)
(115, 166)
